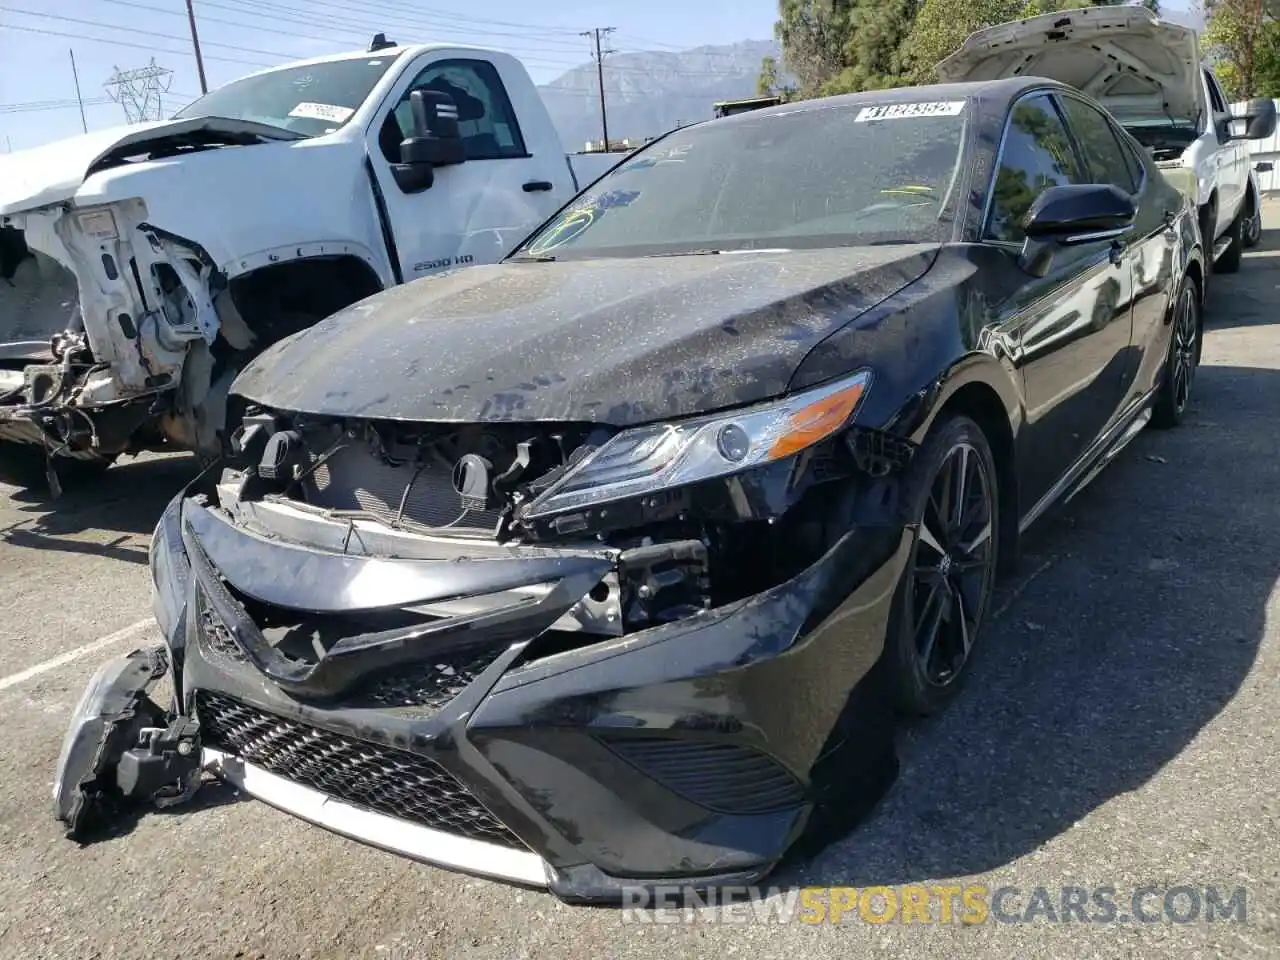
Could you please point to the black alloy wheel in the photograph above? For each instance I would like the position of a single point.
(1185, 340)
(947, 586)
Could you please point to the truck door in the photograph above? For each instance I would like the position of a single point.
(476, 211)
(1232, 156)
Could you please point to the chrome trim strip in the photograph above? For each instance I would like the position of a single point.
(378, 829)
(1100, 453)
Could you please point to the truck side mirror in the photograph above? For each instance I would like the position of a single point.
(434, 140)
(1256, 120)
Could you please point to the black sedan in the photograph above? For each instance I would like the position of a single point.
(613, 563)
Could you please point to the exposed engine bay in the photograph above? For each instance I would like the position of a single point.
(676, 552)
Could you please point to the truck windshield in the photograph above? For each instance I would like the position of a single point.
(878, 171)
(312, 100)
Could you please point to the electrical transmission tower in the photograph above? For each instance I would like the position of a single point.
(139, 91)
(600, 53)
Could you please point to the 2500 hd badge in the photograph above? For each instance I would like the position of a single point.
(428, 265)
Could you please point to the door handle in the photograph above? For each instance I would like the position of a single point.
(533, 186)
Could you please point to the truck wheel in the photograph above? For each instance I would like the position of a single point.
(1230, 260)
(1253, 222)
(22, 465)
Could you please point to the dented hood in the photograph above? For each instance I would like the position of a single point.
(1130, 61)
(618, 341)
(52, 173)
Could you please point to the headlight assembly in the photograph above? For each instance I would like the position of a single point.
(662, 456)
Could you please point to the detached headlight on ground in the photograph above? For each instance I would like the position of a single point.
(661, 456)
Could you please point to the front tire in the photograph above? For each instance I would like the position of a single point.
(944, 593)
(1185, 342)
(23, 465)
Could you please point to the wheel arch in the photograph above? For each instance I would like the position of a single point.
(980, 388)
(315, 285)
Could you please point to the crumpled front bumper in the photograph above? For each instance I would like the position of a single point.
(693, 753)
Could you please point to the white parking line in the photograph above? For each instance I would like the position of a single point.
(62, 659)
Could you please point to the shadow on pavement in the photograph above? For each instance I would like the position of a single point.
(121, 823)
(1246, 299)
(126, 500)
(1144, 620)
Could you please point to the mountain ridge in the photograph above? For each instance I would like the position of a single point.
(648, 93)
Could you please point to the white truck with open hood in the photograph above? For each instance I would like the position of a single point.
(1148, 73)
(177, 250)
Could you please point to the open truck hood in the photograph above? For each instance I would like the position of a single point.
(52, 173)
(1130, 61)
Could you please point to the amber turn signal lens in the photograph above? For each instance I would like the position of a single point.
(817, 421)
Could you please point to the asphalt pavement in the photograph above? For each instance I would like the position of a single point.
(1119, 729)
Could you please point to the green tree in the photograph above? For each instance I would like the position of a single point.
(1241, 39)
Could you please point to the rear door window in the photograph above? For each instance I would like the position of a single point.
(1101, 149)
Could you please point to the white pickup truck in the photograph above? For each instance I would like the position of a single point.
(189, 245)
(1148, 74)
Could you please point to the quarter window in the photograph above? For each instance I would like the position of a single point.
(485, 118)
(1102, 152)
(1037, 154)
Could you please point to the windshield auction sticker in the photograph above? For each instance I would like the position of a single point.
(321, 111)
(904, 111)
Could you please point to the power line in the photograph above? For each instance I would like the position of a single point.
(230, 23)
(149, 33)
(345, 19)
(600, 55)
(125, 43)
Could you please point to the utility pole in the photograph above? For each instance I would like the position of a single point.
(79, 99)
(195, 45)
(598, 33)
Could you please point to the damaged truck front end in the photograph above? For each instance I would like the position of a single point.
(110, 381)
(566, 655)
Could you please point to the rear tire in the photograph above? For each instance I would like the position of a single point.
(1230, 262)
(1182, 360)
(1253, 223)
(942, 598)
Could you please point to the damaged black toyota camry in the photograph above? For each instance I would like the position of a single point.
(613, 563)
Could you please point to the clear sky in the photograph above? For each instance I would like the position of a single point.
(37, 89)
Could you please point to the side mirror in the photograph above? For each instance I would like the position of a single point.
(1256, 120)
(434, 140)
(1080, 213)
(1071, 215)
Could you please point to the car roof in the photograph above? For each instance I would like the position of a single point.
(991, 91)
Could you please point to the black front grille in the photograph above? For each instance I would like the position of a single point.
(724, 777)
(421, 690)
(368, 775)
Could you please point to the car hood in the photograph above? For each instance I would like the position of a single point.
(1133, 63)
(52, 173)
(616, 341)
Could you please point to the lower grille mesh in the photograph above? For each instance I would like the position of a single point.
(724, 777)
(368, 775)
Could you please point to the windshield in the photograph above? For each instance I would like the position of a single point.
(812, 177)
(311, 100)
